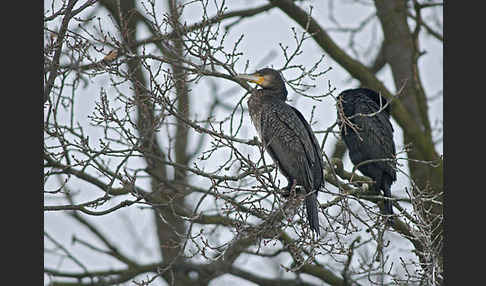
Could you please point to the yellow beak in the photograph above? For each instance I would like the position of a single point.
(256, 78)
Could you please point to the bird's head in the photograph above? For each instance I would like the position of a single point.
(269, 79)
(371, 94)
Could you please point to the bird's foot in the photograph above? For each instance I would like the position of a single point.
(389, 220)
(291, 189)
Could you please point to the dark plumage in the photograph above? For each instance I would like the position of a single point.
(370, 138)
(287, 137)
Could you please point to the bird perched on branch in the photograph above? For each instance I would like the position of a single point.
(364, 121)
(287, 137)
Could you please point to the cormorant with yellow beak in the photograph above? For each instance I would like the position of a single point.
(287, 137)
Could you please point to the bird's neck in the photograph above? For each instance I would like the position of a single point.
(280, 93)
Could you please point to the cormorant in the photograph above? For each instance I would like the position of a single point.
(287, 137)
(368, 134)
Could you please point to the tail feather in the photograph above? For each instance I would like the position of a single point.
(312, 211)
(387, 194)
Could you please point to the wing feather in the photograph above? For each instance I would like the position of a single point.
(291, 143)
(374, 139)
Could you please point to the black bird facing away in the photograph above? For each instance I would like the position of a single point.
(287, 137)
(368, 134)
